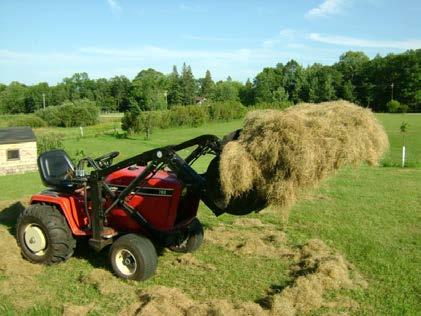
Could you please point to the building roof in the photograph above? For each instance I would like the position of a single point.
(13, 135)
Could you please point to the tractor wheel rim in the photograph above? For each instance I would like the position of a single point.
(35, 239)
(126, 262)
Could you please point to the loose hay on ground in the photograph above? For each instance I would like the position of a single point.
(20, 274)
(268, 243)
(77, 310)
(279, 153)
(106, 283)
(318, 269)
(190, 260)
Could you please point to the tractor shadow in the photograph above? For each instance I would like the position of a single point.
(10, 214)
(96, 259)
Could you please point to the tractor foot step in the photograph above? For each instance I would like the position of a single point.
(99, 244)
(108, 232)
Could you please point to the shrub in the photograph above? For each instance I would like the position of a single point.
(78, 113)
(29, 120)
(189, 115)
(393, 106)
(130, 120)
(280, 105)
(48, 142)
(136, 121)
(403, 108)
(226, 110)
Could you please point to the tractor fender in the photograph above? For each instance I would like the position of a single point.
(66, 207)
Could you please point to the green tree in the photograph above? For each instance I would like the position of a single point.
(149, 90)
(188, 86)
(121, 90)
(79, 86)
(246, 94)
(227, 91)
(13, 99)
(103, 96)
(174, 88)
(347, 91)
(130, 121)
(293, 80)
(207, 85)
(268, 83)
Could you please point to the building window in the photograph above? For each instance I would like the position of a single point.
(13, 154)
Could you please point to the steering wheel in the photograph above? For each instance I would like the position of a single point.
(107, 159)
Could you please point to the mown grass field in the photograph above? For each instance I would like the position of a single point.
(371, 215)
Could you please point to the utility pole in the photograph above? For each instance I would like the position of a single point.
(392, 85)
(43, 100)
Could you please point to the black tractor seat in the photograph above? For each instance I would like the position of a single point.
(57, 170)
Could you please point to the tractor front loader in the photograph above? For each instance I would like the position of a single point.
(133, 206)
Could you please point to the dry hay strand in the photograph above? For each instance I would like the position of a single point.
(161, 300)
(106, 283)
(319, 269)
(11, 262)
(249, 222)
(77, 310)
(279, 153)
(189, 260)
(20, 274)
(268, 243)
(244, 170)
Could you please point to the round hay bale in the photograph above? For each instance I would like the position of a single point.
(278, 153)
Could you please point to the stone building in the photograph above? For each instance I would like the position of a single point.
(18, 150)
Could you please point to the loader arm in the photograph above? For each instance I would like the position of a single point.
(154, 160)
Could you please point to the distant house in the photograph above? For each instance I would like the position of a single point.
(200, 100)
(18, 150)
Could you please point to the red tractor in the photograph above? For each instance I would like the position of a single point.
(133, 206)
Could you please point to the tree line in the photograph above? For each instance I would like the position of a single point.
(355, 77)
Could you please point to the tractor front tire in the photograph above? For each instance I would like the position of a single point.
(133, 257)
(44, 235)
(193, 241)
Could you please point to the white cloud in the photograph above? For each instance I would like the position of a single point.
(285, 36)
(358, 42)
(327, 7)
(191, 8)
(115, 7)
(287, 33)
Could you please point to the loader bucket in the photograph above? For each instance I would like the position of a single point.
(247, 203)
(251, 201)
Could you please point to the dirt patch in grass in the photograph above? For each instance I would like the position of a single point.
(279, 153)
(317, 270)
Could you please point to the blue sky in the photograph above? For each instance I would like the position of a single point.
(45, 41)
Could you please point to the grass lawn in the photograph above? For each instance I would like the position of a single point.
(370, 215)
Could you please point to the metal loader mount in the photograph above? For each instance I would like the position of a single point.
(154, 160)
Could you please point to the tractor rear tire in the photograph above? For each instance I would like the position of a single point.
(193, 241)
(43, 235)
(133, 257)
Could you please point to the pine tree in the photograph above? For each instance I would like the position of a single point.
(174, 89)
(207, 85)
(247, 93)
(188, 86)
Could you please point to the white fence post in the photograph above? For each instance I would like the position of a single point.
(403, 156)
